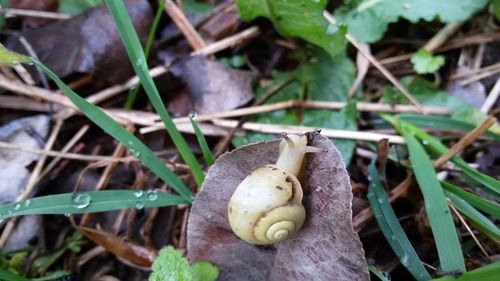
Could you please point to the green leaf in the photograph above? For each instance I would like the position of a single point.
(12, 58)
(486, 273)
(170, 266)
(436, 206)
(139, 63)
(478, 220)
(325, 79)
(301, 19)
(197, 7)
(9, 276)
(98, 201)
(390, 227)
(75, 7)
(495, 8)
(424, 62)
(73, 243)
(367, 20)
(204, 271)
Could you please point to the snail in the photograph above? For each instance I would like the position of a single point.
(266, 207)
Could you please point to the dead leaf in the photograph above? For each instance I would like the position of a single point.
(127, 251)
(326, 248)
(88, 43)
(214, 87)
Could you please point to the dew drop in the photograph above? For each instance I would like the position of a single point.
(130, 143)
(139, 205)
(67, 215)
(139, 61)
(192, 114)
(138, 193)
(425, 142)
(27, 203)
(316, 1)
(404, 260)
(80, 200)
(136, 153)
(17, 206)
(387, 275)
(380, 200)
(152, 195)
(332, 29)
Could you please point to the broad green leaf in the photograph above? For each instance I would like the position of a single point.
(436, 206)
(170, 266)
(301, 19)
(88, 202)
(486, 273)
(204, 271)
(75, 7)
(319, 78)
(424, 62)
(390, 227)
(367, 20)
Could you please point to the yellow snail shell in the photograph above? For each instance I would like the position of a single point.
(266, 207)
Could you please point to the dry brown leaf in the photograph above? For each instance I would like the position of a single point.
(87, 43)
(327, 248)
(134, 254)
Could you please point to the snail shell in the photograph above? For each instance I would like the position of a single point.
(266, 207)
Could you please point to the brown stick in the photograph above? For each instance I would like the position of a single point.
(184, 25)
(465, 141)
(378, 65)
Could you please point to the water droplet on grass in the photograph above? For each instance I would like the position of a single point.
(332, 29)
(152, 195)
(17, 206)
(138, 193)
(192, 114)
(139, 205)
(80, 200)
(27, 203)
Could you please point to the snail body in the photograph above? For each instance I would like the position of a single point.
(266, 207)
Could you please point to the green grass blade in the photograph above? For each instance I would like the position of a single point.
(136, 55)
(436, 146)
(207, 153)
(132, 94)
(377, 272)
(478, 220)
(484, 205)
(442, 122)
(436, 206)
(99, 201)
(9, 276)
(390, 227)
(136, 147)
(486, 273)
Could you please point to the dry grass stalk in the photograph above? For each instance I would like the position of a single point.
(184, 25)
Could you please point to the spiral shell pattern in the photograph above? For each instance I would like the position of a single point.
(266, 207)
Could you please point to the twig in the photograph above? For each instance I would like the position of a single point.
(377, 64)
(465, 141)
(439, 38)
(9, 12)
(468, 229)
(362, 64)
(480, 76)
(289, 104)
(184, 25)
(21, 103)
(492, 98)
(228, 42)
(471, 72)
(74, 156)
(32, 53)
(341, 134)
(32, 180)
(65, 149)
